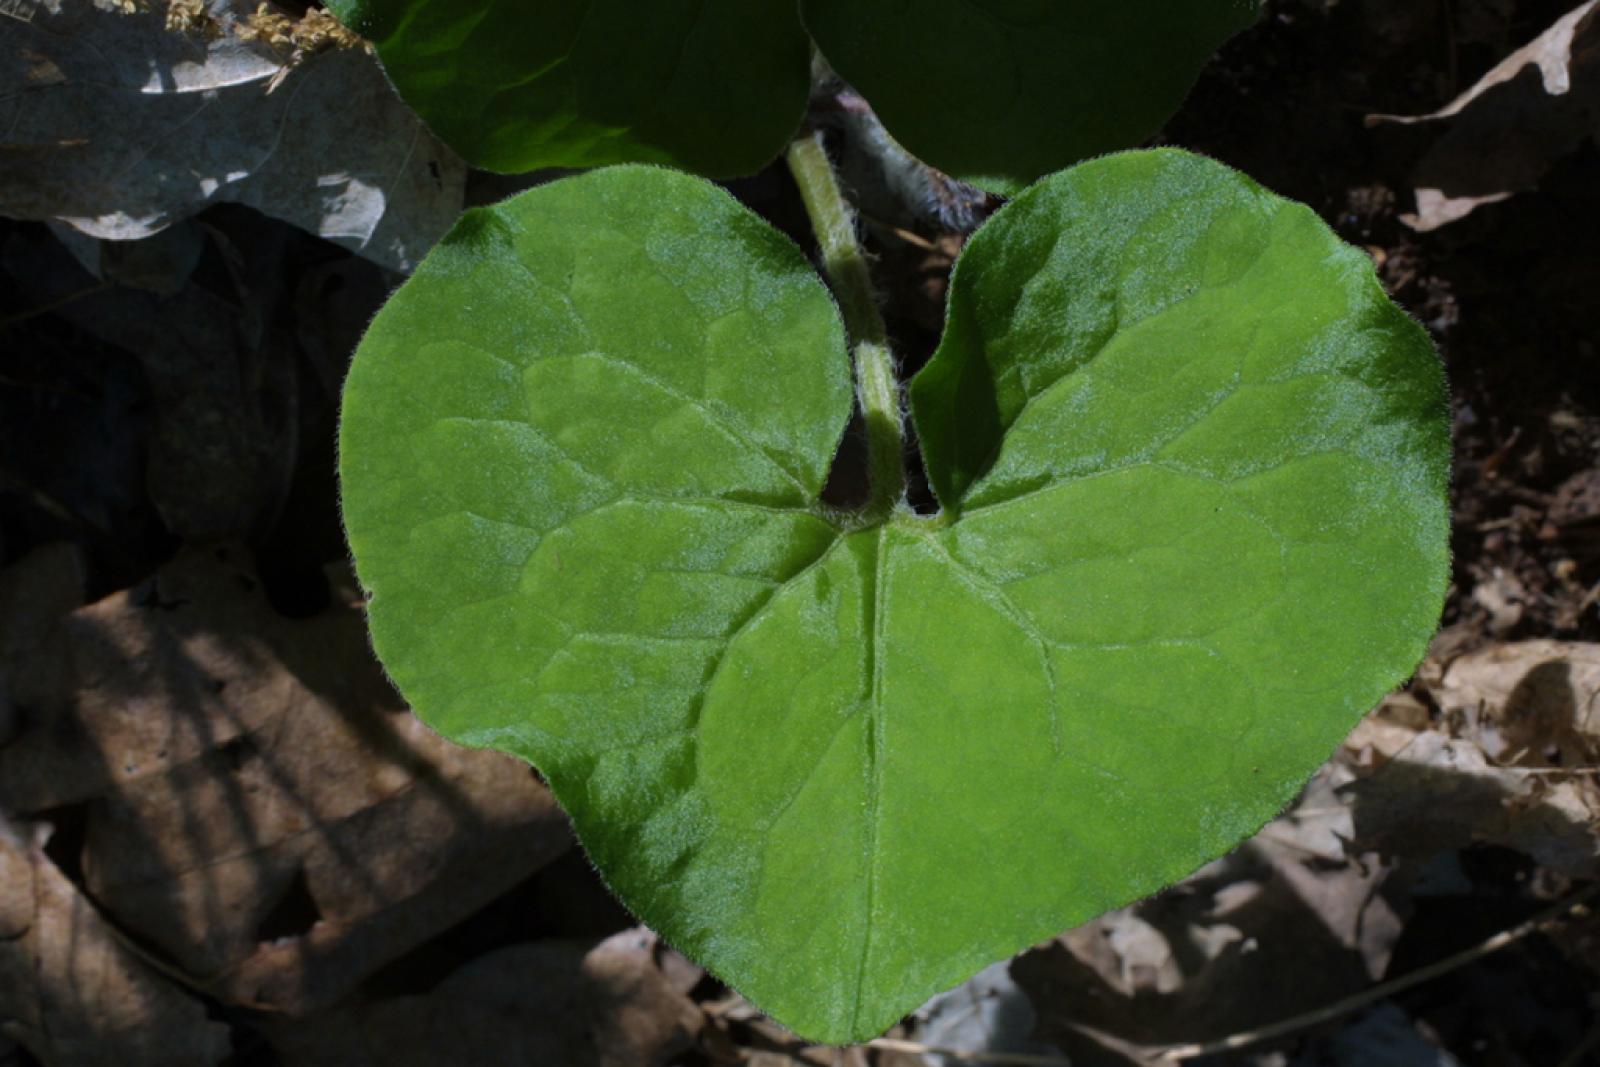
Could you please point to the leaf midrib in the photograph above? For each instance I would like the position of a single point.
(875, 610)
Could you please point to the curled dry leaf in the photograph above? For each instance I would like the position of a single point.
(1322, 891)
(121, 125)
(234, 412)
(259, 808)
(1532, 703)
(1207, 958)
(70, 992)
(1441, 793)
(1516, 767)
(558, 1002)
(987, 1013)
(231, 409)
(1503, 134)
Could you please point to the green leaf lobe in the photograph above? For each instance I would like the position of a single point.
(712, 86)
(1001, 92)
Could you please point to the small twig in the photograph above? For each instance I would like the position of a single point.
(1557, 771)
(1590, 1042)
(915, 240)
(1528, 496)
(1382, 990)
(49, 504)
(53, 305)
(999, 1059)
(736, 1008)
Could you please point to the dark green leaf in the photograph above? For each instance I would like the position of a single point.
(712, 86)
(1000, 92)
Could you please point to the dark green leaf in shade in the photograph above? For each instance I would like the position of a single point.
(1000, 92)
(712, 86)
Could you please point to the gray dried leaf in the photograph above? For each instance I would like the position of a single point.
(120, 127)
(1503, 134)
(1532, 703)
(1441, 793)
(987, 1013)
(229, 410)
(1206, 958)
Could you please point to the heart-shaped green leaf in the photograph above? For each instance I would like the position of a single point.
(999, 92)
(713, 86)
(1193, 466)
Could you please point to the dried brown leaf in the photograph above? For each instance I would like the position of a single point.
(70, 991)
(1532, 703)
(260, 807)
(1207, 958)
(1502, 135)
(1441, 793)
(556, 1002)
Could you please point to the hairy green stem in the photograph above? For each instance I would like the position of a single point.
(877, 389)
(878, 393)
(835, 227)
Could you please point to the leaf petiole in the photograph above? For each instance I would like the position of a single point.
(878, 393)
(877, 387)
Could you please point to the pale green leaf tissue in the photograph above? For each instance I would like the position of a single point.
(1192, 465)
